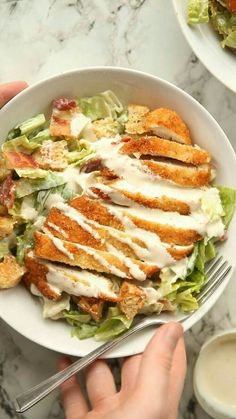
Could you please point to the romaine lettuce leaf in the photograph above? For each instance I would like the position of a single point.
(27, 127)
(228, 200)
(83, 327)
(20, 144)
(32, 173)
(101, 106)
(230, 40)
(198, 11)
(24, 241)
(42, 196)
(4, 249)
(26, 186)
(81, 152)
(115, 324)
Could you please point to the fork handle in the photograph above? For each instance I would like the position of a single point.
(32, 396)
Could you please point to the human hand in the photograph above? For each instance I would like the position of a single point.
(9, 90)
(151, 383)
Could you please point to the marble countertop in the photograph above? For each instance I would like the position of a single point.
(42, 38)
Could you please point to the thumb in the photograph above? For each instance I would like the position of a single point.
(9, 90)
(157, 360)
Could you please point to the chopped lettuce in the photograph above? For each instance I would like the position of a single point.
(20, 144)
(82, 324)
(198, 11)
(32, 173)
(4, 249)
(230, 40)
(24, 242)
(228, 200)
(41, 136)
(43, 196)
(81, 152)
(115, 324)
(182, 290)
(26, 186)
(27, 127)
(101, 106)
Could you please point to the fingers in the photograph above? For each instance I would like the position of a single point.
(100, 382)
(9, 90)
(129, 373)
(73, 400)
(157, 360)
(177, 377)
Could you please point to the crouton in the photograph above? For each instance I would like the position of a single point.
(136, 119)
(132, 299)
(52, 155)
(10, 272)
(6, 226)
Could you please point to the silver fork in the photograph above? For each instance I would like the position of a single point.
(216, 272)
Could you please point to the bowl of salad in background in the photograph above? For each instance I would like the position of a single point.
(24, 123)
(209, 27)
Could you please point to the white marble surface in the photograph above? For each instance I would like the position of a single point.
(41, 38)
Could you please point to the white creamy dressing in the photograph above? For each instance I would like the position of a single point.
(134, 269)
(52, 200)
(75, 282)
(58, 243)
(58, 229)
(215, 373)
(71, 177)
(52, 309)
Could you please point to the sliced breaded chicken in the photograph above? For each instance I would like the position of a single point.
(155, 146)
(115, 194)
(166, 123)
(90, 233)
(95, 211)
(67, 120)
(188, 176)
(10, 272)
(85, 257)
(6, 226)
(52, 155)
(37, 274)
(136, 119)
(93, 306)
(48, 277)
(132, 299)
(167, 233)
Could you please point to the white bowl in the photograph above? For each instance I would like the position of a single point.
(205, 393)
(17, 307)
(205, 43)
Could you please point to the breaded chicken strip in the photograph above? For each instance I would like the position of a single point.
(166, 123)
(62, 226)
(188, 176)
(155, 146)
(87, 258)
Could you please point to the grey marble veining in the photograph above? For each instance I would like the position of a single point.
(42, 38)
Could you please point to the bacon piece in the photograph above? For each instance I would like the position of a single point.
(64, 104)
(7, 192)
(16, 160)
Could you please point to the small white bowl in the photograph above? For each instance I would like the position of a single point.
(215, 373)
